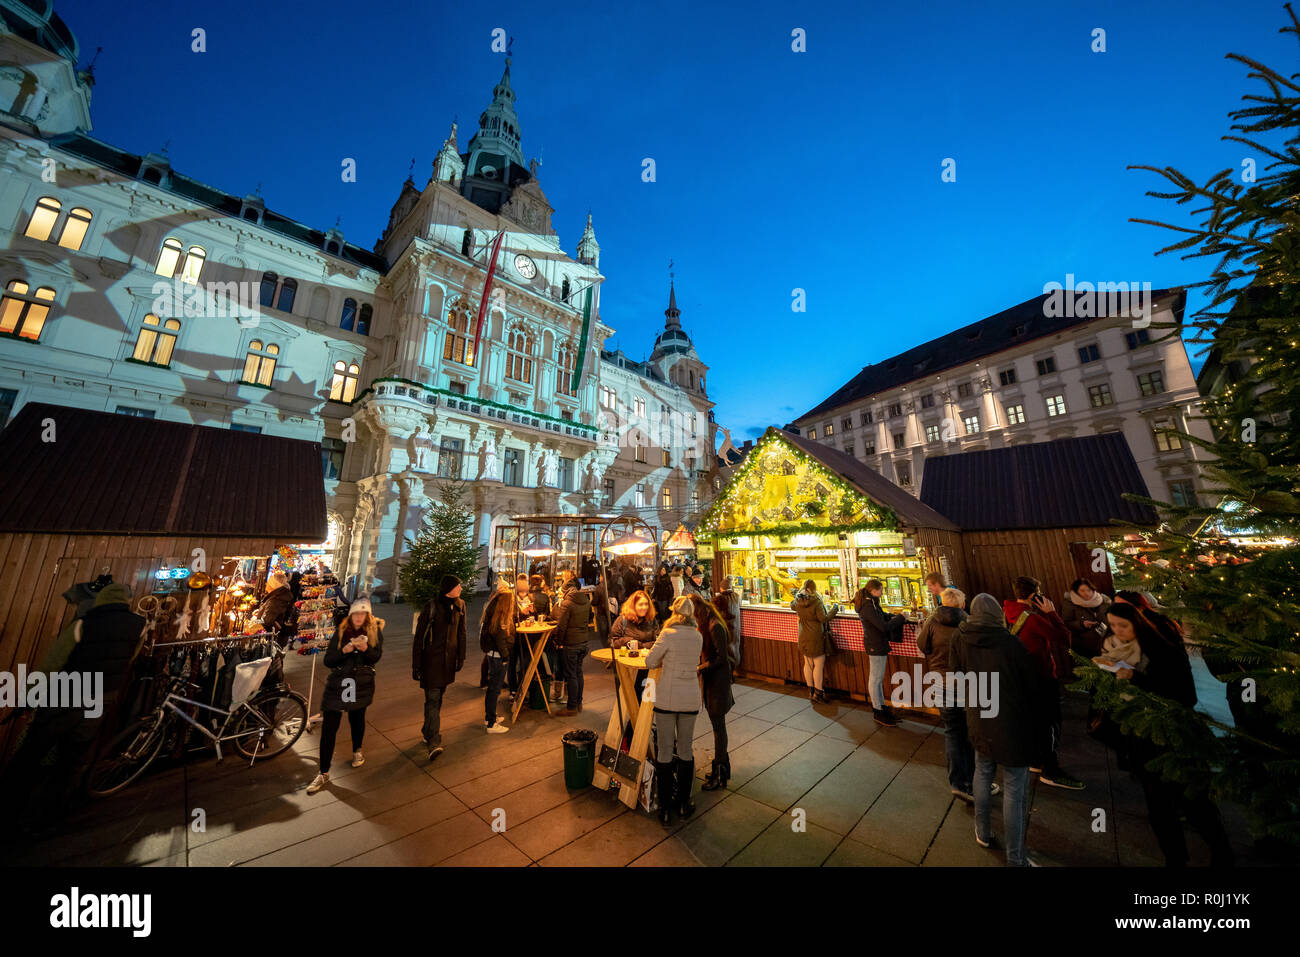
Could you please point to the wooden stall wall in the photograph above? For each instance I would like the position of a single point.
(943, 544)
(1054, 556)
(35, 571)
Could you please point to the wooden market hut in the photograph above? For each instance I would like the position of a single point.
(803, 509)
(86, 493)
(1039, 509)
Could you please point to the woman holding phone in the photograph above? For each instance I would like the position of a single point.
(350, 687)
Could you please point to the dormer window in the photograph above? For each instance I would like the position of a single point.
(252, 209)
(333, 247)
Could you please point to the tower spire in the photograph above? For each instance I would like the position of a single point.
(588, 248)
(672, 313)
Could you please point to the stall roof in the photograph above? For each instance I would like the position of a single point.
(113, 474)
(870, 483)
(1059, 484)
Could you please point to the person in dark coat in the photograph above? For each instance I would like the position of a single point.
(1033, 619)
(600, 609)
(105, 642)
(437, 653)
(496, 639)
(715, 620)
(662, 592)
(934, 639)
(276, 613)
(878, 630)
(572, 632)
(1084, 613)
(807, 604)
(1006, 730)
(541, 598)
(515, 664)
(1164, 669)
(351, 656)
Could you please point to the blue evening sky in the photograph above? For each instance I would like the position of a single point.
(776, 170)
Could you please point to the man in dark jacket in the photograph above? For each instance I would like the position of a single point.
(878, 630)
(277, 612)
(1007, 727)
(600, 609)
(1032, 618)
(934, 639)
(572, 631)
(663, 594)
(107, 640)
(438, 652)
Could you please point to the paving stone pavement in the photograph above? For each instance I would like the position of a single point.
(811, 785)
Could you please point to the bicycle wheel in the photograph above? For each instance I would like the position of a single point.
(270, 725)
(126, 756)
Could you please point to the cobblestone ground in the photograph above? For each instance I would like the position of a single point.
(871, 795)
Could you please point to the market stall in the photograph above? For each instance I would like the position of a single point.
(796, 510)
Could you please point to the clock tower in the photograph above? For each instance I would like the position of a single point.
(495, 164)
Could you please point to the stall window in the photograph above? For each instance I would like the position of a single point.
(1056, 405)
(23, 312)
(343, 388)
(1167, 440)
(259, 364)
(1016, 414)
(331, 457)
(156, 341)
(1046, 366)
(1099, 395)
(932, 433)
(1151, 383)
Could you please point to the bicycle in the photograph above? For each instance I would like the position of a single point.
(264, 726)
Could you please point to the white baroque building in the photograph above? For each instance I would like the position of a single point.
(131, 287)
(1028, 374)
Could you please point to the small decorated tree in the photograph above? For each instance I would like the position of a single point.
(443, 546)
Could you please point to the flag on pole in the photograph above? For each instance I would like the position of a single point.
(487, 291)
(582, 343)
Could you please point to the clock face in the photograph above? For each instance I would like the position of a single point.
(525, 266)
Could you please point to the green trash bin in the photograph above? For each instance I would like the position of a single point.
(538, 694)
(579, 758)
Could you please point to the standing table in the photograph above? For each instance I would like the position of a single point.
(626, 670)
(536, 636)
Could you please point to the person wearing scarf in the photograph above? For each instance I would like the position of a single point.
(437, 653)
(1084, 613)
(353, 652)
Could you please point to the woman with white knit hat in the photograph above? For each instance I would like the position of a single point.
(351, 657)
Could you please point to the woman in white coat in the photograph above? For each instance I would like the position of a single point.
(677, 703)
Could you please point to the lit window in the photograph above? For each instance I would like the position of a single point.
(23, 312)
(519, 359)
(638, 407)
(1056, 405)
(1167, 440)
(458, 347)
(640, 496)
(667, 459)
(812, 433)
(259, 365)
(194, 260)
(1016, 414)
(608, 398)
(1099, 395)
(168, 258)
(972, 423)
(828, 429)
(638, 452)
(74, 228)
(932, 433)
(566, 385)
(1151, 383)
(668, 497)
(1046, 366)
(46, 214)
(349, 316)
(344, 386)
(157, 340)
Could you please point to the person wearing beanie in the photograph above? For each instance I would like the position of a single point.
(1010, 729)
(351, 656)
(437, 653)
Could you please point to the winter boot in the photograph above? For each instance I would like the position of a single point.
(718, 775)
(685, 782)
(664, 785)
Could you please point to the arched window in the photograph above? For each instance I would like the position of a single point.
(250, 214)
(349, 315)
(467, 243)
(157, 340)
(564, 289)
(458, 347)
(267, 295)
(168, 257)
(44, 216)
(74, 228)
(259, 364)
(23, 312)
(288, 289)
(564, 374)
(193, 266)
(692, 372)
(363, 321)
(519, 359)
(344, 386)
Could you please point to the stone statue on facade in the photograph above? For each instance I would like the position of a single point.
(488, 459)
(552, 469)
(421, 449)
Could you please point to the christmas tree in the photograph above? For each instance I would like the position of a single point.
(444, 546)
(1237, 599)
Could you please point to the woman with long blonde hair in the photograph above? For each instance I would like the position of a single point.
(354, 649)
(677, 702)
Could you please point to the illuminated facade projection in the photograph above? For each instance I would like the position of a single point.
(130, 287)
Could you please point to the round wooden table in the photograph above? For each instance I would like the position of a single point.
(627, 668)
(536, 636)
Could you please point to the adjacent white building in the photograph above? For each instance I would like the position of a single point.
(1028, 374)
(130, 287)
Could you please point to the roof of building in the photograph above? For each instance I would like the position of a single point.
(871, 483)
(129, 164)
(1064, 483)
(112, 474)
(36, 22)
(1005, 330)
